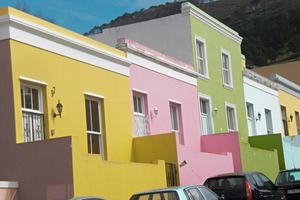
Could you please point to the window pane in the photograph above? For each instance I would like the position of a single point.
(27, 94)
(95, 116)
(88, 114)
(35, 99)
(174, 118)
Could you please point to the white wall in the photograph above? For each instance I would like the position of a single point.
(171, 36)
(263, 97)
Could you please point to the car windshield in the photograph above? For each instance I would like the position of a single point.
(288, 176)
(224, 183)
(168, 195)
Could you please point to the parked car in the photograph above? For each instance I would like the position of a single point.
(192, 192)
(87, 198)
(288, 181)
(244, 186)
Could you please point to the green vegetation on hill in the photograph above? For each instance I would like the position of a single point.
(270, 28)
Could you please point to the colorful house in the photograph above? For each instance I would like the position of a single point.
(214, 50)
(66, 119)
(285, 75)
(166, 116)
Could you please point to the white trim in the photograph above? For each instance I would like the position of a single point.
(14, 27)
(157, 67)
(230, 105)
(227, 53)
(22, 78)
(174, 101)
(187, 8)
(94, 95)
(139, 91)
(208, 98)
(203, 41)
(9, 184)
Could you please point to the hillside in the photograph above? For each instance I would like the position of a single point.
(270, 28)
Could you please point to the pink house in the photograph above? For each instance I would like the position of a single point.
(166, 116)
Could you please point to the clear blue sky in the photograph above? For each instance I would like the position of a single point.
(82, 15)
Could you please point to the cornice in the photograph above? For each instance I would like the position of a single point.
(260, 79)
(69, 45)
(137, 49)
(188, 8)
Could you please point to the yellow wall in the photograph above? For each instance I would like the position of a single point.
(292, 104)
(116, 178)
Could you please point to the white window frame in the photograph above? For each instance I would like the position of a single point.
(226, 72)
(34, 129)
(176, 118)
(92, 132)
(297, 122)
(235, 122)
(269, 124)
(202, 58)
(251, 119)
(140, 115)
(210, 124)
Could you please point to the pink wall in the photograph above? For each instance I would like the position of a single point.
(202, 165)
(160, 89)
(225, 142)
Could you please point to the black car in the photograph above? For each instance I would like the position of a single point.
(244, 186)
(289, 182)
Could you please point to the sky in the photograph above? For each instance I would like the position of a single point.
(81, 16)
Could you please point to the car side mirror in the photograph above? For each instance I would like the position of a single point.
(275, 187)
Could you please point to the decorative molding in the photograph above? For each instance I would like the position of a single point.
(187, 8)
(150, 54)
(260, 79)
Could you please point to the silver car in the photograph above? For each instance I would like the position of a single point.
(87, 198)
(192, 192)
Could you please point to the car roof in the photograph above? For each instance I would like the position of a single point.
(86, 197)
(290, 170)
(168, 189)
(232, 174)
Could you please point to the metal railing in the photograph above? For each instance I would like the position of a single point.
(33, 126)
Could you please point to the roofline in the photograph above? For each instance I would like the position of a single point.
(22, 27)
(136, 48)
(286, 85)
(188, 8)
(260, 79)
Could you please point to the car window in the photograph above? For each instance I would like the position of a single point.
(288, 176)
(225, 183)
(194, 194)
(267, 182)
(208, 193)
(169, 195)
(257, 180)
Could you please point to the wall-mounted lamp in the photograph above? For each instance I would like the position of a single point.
(155, 111)
(59, 108)
(183, 163)
(215, 111)
(291, 118)
(258, 116)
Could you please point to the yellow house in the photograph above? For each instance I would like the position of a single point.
(65, 115)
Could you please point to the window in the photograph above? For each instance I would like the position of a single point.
(231, 118)
(32, 113)
(269, 121)
(93, 107)
(226, 69)
(250, 119)
(140, 118)
(206, 118)
(297, 122)
(194, 194)
(284, 121)
(175, 120)
(201, 57)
